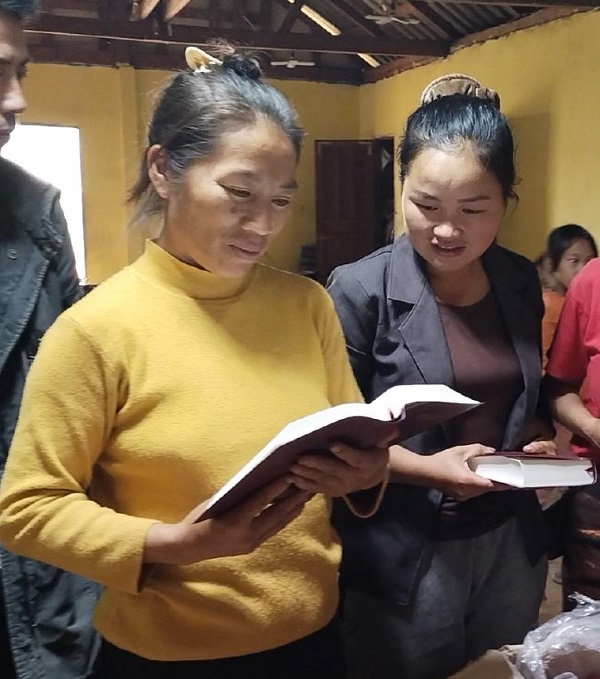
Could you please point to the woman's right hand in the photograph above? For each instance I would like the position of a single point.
(239, 531)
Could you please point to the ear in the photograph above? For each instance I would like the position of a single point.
(157, 171)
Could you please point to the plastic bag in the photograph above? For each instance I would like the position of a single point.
(565, 647)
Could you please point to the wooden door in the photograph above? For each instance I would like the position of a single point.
(346, 202)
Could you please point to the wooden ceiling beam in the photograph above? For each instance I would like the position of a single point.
(266, 15)
(145, 8)
(174, 7)
(291, 16)
(191, 35)
(116, 53)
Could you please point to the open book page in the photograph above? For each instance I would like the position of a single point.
(396, 415)
(535, 471)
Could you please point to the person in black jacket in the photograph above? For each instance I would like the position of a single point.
(446, 569)
(45, 613)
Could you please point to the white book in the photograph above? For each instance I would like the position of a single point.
(534, 471)
(399, 413)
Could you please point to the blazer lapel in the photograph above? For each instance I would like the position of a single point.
(417, 315)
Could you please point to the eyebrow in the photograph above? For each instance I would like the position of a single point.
(11, 62)
(252, 175)
(472, 199)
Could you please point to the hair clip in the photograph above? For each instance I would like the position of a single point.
(458, 83)
(199, 60)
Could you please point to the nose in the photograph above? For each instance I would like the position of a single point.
(13, 99)
(260, 223)
(445, 230)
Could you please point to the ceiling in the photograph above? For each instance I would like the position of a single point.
(344, 41)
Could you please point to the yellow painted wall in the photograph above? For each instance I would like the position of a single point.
(547, 79)
(91, 99)
(111, 106)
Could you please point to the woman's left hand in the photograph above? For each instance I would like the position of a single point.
(542, 447)
(346, 470)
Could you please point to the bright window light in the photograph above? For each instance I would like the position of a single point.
(53, 154)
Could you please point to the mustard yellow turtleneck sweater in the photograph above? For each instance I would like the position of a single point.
(149, 394)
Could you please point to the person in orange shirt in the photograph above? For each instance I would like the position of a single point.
(569, 248)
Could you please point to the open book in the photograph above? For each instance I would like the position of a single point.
(534, 471)
(396, 415)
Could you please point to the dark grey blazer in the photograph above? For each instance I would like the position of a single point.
(394, 335)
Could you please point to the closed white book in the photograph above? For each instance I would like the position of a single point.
(535, 471)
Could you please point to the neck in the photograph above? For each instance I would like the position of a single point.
(460, 288)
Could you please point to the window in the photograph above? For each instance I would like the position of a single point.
(53, 154)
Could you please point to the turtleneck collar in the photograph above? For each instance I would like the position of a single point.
(184, 279)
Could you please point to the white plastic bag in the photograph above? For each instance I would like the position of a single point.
(565, 647)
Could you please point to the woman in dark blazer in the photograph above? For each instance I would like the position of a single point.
(446, 569)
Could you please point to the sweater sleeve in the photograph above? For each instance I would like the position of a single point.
(67, 414)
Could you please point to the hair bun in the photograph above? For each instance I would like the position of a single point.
(245, 65)
(458, 83)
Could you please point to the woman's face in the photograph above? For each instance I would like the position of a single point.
(574, 258)
(452, 207)
(227, 209)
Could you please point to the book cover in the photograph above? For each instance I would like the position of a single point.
(522, 470)
(399, 413)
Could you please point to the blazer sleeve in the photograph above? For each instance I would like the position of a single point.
(65, 258)
(358, 316)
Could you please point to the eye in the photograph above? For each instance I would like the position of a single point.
(237, 191)
(425, 208)
(472, 211)
(281, 202)
(22, 72)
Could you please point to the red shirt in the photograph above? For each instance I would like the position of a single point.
(575, 354)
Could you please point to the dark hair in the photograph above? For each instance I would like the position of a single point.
(18, 10)
(195, 109)
(451, 122)
(561, 238)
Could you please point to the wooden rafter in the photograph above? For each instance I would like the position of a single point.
(266, 15)
(350, 12)
(173, 7)
(145, 8)
(292, 15)
(425, 14)
(179, 34)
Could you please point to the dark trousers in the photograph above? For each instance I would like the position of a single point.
(7, 666)
(318, 656)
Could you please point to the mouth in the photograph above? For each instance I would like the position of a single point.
(246, 252)
(448, 250)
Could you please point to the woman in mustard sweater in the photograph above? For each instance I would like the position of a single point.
(159, 385)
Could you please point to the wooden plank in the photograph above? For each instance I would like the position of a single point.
(427, 16)
(179, 34)
(291, 16)
(146, 7)
(173, 7)
(266, 15)
(351, 13)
